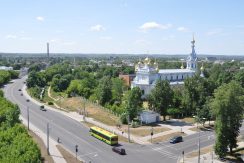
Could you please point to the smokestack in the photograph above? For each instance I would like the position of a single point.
(47, 50)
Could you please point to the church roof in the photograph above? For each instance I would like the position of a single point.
(175, 71)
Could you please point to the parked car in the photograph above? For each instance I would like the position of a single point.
(21, 94)
(119, 150)
(27, 100)
(19, 89)
(176, 139)
(42, 108)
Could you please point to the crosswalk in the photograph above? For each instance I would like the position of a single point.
(165, 153)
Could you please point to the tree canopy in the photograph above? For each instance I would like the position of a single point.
(227, 106)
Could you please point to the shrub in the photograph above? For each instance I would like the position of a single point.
(50, 103)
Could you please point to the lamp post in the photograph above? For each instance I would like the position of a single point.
(48, 138)
(212, 153)
(151, 134)
(28, 118)
(76, 151)
(128, 119)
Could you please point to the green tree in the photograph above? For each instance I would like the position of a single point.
(227, 106)
(133, 102)
(239, 76)
(117, 90)
(161, 96)
(196, 90)
(104, 91)
(36, 79)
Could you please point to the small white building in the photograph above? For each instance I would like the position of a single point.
(149, 117)
(6, 68)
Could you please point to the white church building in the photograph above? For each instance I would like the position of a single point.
(147, 73)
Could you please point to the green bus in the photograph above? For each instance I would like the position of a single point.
(104, 135)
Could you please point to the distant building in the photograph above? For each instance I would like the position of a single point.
(6, 68)
(127, 78)
(149, 117)
(210, 59)
(147, 73)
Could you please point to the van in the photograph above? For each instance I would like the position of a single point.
(119, 150)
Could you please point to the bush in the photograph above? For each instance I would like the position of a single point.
(123, 118)
(135, 123)
(50, 103)
(35, 92)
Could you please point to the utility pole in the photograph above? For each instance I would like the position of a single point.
(84, 110)
(183, 155)
(128, 118)
(199, 153)
(76, 151)
(28, 118)
(48, 138)
(199, 147)
(151, 134)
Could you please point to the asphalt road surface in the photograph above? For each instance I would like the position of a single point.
(73, 133)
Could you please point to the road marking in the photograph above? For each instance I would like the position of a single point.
(167, 154)
(95, 153)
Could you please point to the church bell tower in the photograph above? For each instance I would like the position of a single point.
(192, 58)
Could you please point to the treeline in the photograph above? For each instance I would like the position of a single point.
(15, 143)
(206, 98)
(99, 84)
(6, 76)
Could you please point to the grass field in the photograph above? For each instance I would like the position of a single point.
(166, 137)
(144, 130)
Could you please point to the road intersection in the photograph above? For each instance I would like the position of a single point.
(72, 132)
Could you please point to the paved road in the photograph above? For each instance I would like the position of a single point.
(72, 132)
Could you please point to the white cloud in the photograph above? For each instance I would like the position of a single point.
(142, 42)
(54, 40)
(40, 18)
(97, 28)
(182, 29)
(26, 38)
(11, 36)
(153, 25)
(106, 38)
(214, 32)
(69, 43)
(171, 37)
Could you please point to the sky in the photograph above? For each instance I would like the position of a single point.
(122, 26)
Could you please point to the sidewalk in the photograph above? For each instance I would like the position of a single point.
(208, 157)
(53, 150)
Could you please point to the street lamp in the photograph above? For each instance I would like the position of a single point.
(128, 120)
(212, 153)
(28, 116)
(76, 151)
(151, 134)
(48, 139)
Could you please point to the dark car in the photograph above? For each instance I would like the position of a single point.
(21, 94)
(42, 108)
(119, 150)
(19, 89)
(27, 100)
(176, 139)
